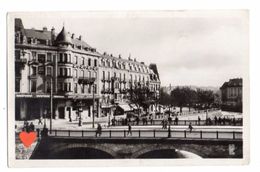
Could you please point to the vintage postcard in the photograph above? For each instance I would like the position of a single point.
(128, 88)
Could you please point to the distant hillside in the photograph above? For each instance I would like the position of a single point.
(168, 89)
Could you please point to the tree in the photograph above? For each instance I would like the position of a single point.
(165, 98)
(205, 97)
(182, 96)
(141, 97)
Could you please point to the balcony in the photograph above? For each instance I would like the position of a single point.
(86, 80)
(33, 62)
(65, 76)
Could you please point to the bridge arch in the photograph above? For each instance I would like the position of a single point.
(175, 150)
(102, 152)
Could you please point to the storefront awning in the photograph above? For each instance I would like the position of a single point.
(134, 106)
(125, 107)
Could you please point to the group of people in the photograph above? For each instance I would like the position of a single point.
(28, 127)
(222, 121)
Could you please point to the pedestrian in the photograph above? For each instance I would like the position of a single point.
(176, 120)
(199, 120)
(40, 121)
(99, 130)
(165, 124)
(219, 120)
(190, 127)
(137, 120)
(151, 120)
(162, 124)
(31, 127)
(143, 121)
(129, 129)
(234, 121)
(216, 120)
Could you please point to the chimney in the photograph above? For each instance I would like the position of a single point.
(105, 53)
(45, 29)
(119, 56)
(72, 36)
(135, 59)
(52, 33)
(111, 55)
(80, 37)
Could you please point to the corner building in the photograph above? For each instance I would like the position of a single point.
(59, 63)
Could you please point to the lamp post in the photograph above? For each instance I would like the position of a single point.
(51, 104)
(93, 109)
(51, 94)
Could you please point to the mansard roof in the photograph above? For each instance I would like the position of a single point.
(38, 34)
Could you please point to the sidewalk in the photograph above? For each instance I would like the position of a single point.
(66, 125)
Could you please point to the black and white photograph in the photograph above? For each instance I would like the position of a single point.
(132, 85)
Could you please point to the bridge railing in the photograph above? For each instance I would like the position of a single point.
(184, 134)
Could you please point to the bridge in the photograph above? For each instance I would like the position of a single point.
(66, 144)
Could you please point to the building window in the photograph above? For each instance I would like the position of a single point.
(95, 62)
(104, 74)
(69, 72)
(95, 88)
(76, 59)
(69, 58)
(33, 55)
(108, 75)
(59, 86)
(49, 57)
(69, 87)
(89, 74)
(41, 58)
(61, 71)
(49, 71)
(89, 62)
(60, 57)
(89, 88)
(65, 58)
(81, 73)
(34, 70)
(76, 88)
(33, 86)
(75, 73)
(82, 89)
(48, 87)
(94, 74)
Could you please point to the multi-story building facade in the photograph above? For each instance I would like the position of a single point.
(67, 70)
(231, 93)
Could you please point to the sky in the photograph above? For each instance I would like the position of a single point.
(200, 48)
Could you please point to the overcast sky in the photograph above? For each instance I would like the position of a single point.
(203, 48)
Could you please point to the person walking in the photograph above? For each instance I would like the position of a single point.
(162, 124)
(199, 120)
(99, 130)
(31, 127)
(190, 127)
(129, 129)
(40, 121)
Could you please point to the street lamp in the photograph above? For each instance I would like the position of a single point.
(51, 95)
